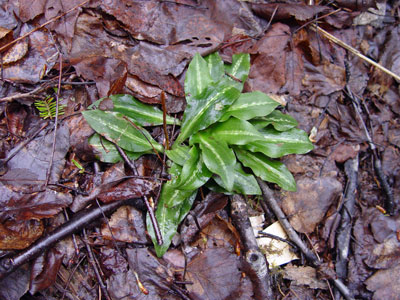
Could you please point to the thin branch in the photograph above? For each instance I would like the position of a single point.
(77, 222)
(94, 266)
(292, 234)
(55, 119)
(150, 209)
(354, 51)
(164, 109)
(389, 203)
(344, 231)
(31, 94)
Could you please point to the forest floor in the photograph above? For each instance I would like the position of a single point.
(334, 67)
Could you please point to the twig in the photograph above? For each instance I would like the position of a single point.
(275, 237)
(141, 131)
(273, 204)
(68, 280)
(354, 51)
(146, 200)
(31, 94)
(77, 222)
(389, 203)
(164, 109)
(311, 257)
(55, 119)
(255, 259)
(41, 26)
(317, 19)
(73, 235)
(344, 231)
(95, 268)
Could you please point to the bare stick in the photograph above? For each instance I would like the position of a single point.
(354, 51)
(273, 204)
(150, 209)
(389, 203)
(255, 259)
(77, 222)
(164, 109)
(344, 231)
(311, 257)
(55, 120)
(31, 94)
(95, 268)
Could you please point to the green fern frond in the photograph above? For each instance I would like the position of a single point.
(47, 108)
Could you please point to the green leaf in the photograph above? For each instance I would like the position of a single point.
(114, 127)
(244, 183)
(172, 207)
(215, 66)
(197, 77)
(194, 172)
(106, 151)
(266, 169)
(142, 114)
(239, 69)
(47, 108)
(251, 105)
(206, 110)
(169, 218)
(179, 154)
(235, 131)
(279, 143)
(219, 159)
(280, 121)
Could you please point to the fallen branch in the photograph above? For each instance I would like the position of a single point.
(389, 203)
(77, 222)
(292, 234)
(344, 231)
(255, 259)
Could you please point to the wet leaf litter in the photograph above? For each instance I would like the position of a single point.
(348, 107)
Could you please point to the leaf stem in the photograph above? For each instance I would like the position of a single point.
(164, 109)
(145, 199)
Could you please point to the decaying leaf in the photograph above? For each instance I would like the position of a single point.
(215, 275)
(304, 276)
(19, 234)
(384, 283)
(308, 205)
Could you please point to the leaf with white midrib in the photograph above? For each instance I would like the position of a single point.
(235, 132)
(279, 143)
(115, 128)
(268, 170)
(203, 112)
(219, 159)
(251, 105)
(197, 77)
(140, 113)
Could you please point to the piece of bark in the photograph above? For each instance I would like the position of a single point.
(255, 261)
